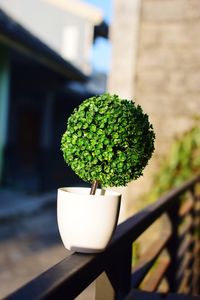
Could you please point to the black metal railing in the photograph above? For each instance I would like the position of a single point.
(171, 264)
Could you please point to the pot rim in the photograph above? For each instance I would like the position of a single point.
(79, 191)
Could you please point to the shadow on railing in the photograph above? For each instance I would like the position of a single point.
(179, 267)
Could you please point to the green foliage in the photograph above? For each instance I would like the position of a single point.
(182, 163)
(108, 140)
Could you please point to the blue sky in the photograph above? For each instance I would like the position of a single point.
(105, 5)
(102, 48)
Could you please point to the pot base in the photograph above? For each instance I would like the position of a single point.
(84, 250)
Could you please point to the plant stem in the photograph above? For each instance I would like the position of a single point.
(94, 187)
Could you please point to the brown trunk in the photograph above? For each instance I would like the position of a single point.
(94, 187)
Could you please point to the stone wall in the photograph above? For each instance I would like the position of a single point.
(168, 66)
(166, 81)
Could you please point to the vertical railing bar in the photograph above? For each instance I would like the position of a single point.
(192, 231)
(119, 272)
(196, 272)
(172, 247)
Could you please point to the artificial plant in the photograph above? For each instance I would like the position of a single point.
(108, 141)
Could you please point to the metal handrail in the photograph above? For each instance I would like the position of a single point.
(70, 277)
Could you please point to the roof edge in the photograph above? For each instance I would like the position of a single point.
(15, 36)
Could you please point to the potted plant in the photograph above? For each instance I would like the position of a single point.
(108, 142)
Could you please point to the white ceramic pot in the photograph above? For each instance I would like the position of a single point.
(86, 222)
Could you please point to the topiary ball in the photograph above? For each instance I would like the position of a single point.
(108, 140)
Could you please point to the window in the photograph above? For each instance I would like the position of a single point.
(69, 44)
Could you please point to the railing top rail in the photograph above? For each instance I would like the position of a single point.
(84, 268)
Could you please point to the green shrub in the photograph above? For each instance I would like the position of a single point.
(108, 140)
(182, 163)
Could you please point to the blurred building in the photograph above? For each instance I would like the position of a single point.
(66, 26)
(156, 62)
(44, 47)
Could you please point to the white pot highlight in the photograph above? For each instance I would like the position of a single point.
(86, 222)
